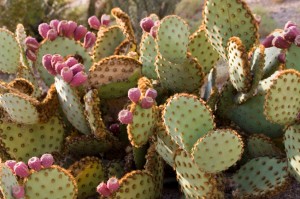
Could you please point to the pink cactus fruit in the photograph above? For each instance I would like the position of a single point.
(47, 160)
(77, 68)
(43, 29)
(72, 27)
(79, 79)
(146, 24)
(46, 61)
(30, 55)
(289, 24)
(125, 117)
(291, 33)
(147, 102)
(71, 61)
(267, 42)
(89, 40)
(150, 92)
(35, 163)
(94, 22)
(32, 43)
(56, 58)
(281, 58)
(280, 42)
(67, 74)
(18, 191)
(80, 32)
(297, 40)
(54, 24)
(59, 66)
(21, 169)
(114, 128)
(103, 190)
(153, 31)
(105, 20)
(63, 28)
(134, 94)
(113, 184)
(10, 164)
(52, 34)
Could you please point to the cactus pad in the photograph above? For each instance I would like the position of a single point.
(198, 119)
(209, 151)
(114, 168)
(271, 61)
(292, 57)
(225, 19)
(54, 182)
(107, 41)
(261, 178)
(64, 47)
(10, 52)
(172, 38)
(7, 181)
(282, 99)
(25, 141)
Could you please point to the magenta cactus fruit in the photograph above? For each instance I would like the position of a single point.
(289, 24)
(114, 128)
(153, 31)
(46, 61)
(32, 43)
(103, 190)
(297, 40)
(18, 191)
(147, 102)
(43, 29)
(71, 61)
(52, 34)
(54, 24)
(267, 42)
(63, 28)
(80, 32)
(281, 58)
(291, 33)
(94, 22)
(47, 160)
(89, 40)
(280, 42)
(134, 94)
(10, 164)
(30, 55)
(105, 20)
(72, 27)
(67, 74)
(150, 92)
(35, 163)
(79, 79)
(21, 169)
(77, 68)
(125, 117)
(146, 24)
(59, 66)
(56, 58)
(113, 184)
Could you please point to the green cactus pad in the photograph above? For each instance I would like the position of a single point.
(25, 141)
(271, 61)
(142, 126)
(218, 150)
(194, 182)
(10, 52)
(262, 177)
(282, 99)
(292, 57)
(7, 181)
(210, 86)
(200, 48)
(64, 47)
(148, 55)
(88, 173)
(139, 154)
(71, 105)
(291, 137)
(239, 68)
(114, 168)
(225, 19)
(259, 145)
(198, 119)
(54, 182)
(107, 41)
(186, 76)
(173, 38)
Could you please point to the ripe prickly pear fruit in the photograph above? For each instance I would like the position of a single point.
(281, 58)
(297, 40)
(77, 68)
(150, 92)
(134, 94)
(267, 42)
(56, 58)
(35, 163)
(80, 32)
(59, 66)
(43, 29)
(47, 160)
(32, 43)
(67, 74)
(114, 128)
(63, 28)
(72, 27)
(103, 190)
(280, 42)
(79, 79)
(113, 184)
(54, 24)
(10, 164)
(125, 117)
(52, 34)
(46, 61)
(105, 20)
(89, 40)
(289, 24)
(146, 24)
(291, 33)
(71, 61)
(30, 55)
(18, 191)
(21, 169)
(94, 22)
(147, 102)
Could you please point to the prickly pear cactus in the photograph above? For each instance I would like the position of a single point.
(7, 181)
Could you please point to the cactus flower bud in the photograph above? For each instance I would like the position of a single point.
(289, 24)
(30, 55)
(80, 32)
(125, 117)
(79, 79)
(35, 163)
(146, 24)
(63, 28)
(103, 190)
(46, 60)
(134, 94)
(297, 40)
(280, 42)
(150, 92)
(52, 34)
(105, 20)
(47, 160)
(10, 164)
(59, 66)
(54, 24)
(281, 58)
(56, 58)
(113, 184)
(89, 40)
(32, 43)
(21, 169)
(267, 42)
(77, 68)
(67, 74)
(72, 27)
(94, 22)
(291, 33)
(147, 102)
(43, 29)
(71, 61)
(18, 191)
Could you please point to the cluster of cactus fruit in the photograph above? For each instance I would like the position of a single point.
(107, 109)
